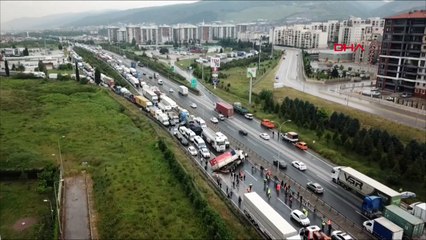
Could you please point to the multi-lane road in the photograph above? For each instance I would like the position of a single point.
(319, 169)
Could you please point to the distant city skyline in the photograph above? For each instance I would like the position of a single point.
(11, 10)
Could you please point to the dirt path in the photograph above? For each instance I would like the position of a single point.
(76, 212)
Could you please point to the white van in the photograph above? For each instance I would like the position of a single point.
(190, 134)
(201, 122)
(182, 130)
(199, 142)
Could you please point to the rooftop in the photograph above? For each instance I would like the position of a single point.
(413, 14)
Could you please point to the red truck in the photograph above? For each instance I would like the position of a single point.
(225, 109)
(267, 123)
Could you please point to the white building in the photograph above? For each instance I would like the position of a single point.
(299, 36)
(122, 35)
(165, 34)
(113, 34)
(185, 33)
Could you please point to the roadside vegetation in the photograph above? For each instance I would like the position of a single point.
(137, 192)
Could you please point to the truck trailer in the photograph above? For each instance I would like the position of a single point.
(217, 142)
(143, 102)
(183, 90)
(367, 187)
(418, 209)
(238, 108)
(231, 158)
(412, 225)
(266, 219)
(150, 96)
(382, 228)
(225, 109)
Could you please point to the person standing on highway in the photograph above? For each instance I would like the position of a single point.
(329, 226)
(322, 225)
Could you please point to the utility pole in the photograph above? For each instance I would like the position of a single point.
(260, 51)
(251, 83)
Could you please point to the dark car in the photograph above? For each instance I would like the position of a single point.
(140, 64)
(280, 163)
(242, 132)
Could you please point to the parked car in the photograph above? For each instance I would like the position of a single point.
(242, 132)
(315, 187)
(193, 105)
(280, 163)
(171, 90)
(406, 95)
(302, 145)
(214, 120)
(339, 235)
(390, 98)
(405, 195)
(299, 165)
(192, 150)
(300, 217)
(248, 116)
(265, 136)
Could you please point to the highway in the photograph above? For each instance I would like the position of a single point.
(319, 169)
(290, 74)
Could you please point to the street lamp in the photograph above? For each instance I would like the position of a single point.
(60, 154)
(279, 129)
(51, 209)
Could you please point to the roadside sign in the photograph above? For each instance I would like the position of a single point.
(215, 75)
(251, 72)
(194, 83)
(215, 62)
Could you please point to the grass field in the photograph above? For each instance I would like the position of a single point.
(136, 194)
(19, 202)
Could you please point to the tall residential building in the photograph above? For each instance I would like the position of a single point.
(149, 35)
(133, 32)
(299, 36)
(165, 34)
(122, 35)
(113, 34)
(185, 33)
(403, 54)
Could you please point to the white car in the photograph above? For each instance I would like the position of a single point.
(339, 235)
(299, 165)
(265, 136)
(300, 217)
(171, 90)
(192, 150)
(205, 153)
(193, 105)
(249, 116)
(214, 120)
(221, 117)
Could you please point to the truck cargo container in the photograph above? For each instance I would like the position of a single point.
(143, 102)
(219, 134)
(217, 142)
(150, 96)
(418, 209)
(238, 108)
(290, 137)
(173, 118)
(168, 101)
(163, 118)
(382, 228)
(412, 225)
(363, 185)
(183, 90)
(233, 157)
(266, 219)
(164, 107)
(225, 109)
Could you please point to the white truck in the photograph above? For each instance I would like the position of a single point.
(382, 228)
(229, 158)
(183, 90)
(174, 118)
(264, 217)
(143, 102)
(168, 101)
(290, 137)
(219, 134)
(134, 81)
(150, 95)
(163, 118)
(217, 143)
(164, 107)
(418, 209)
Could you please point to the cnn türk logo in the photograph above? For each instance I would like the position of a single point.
(343, 47)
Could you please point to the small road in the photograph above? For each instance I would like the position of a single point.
(76, 215)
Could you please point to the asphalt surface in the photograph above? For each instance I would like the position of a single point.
(76, 224)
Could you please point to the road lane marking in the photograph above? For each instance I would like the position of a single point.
(250, 175)
(284, 204)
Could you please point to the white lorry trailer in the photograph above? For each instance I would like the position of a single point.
(269, 221)
(150, 95)
(183, 90)
(163, 118)
(168, 101)
(418, 209)
(217, 142)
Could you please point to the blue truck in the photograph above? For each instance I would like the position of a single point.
(382, 228)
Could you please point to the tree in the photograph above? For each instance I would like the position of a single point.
(77, 74)
(97, 76)
(13, 67)
(133, 42)
(164, 50)
(25, 52)
(335, 73)
(21, 68)
(6, 68)
(41, 66)
(60, 46)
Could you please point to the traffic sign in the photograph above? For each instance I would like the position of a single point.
(215, 62)
(251, 72)
(194, 83)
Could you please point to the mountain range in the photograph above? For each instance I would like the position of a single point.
(225, 11)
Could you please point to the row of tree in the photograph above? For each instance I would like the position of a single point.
(375, 145)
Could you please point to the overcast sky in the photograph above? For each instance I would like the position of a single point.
(17, 9)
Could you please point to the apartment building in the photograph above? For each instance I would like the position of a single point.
(149, 35)
(402, 60)
(133, 32)
(122, 35)
(113, 34)
(185, 33)
(301, 36)
(165, 34)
